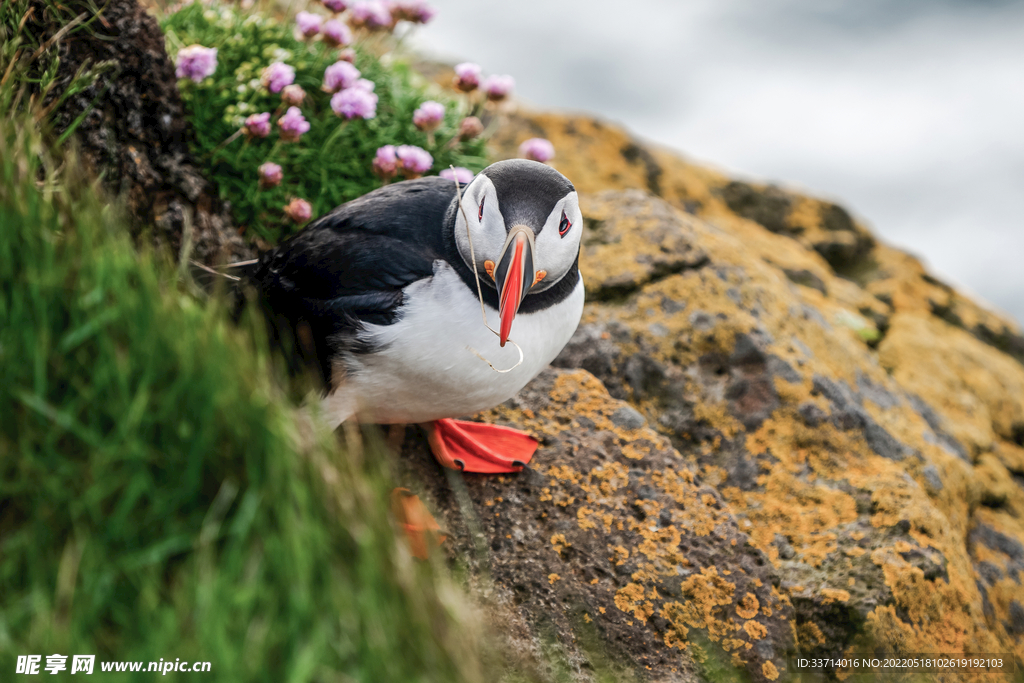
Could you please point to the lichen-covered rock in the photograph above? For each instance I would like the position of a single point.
(613, 533)
(859, 422)
(855, 470)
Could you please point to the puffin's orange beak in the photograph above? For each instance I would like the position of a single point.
(514, 275)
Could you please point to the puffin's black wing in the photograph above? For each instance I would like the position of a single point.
(350, 266)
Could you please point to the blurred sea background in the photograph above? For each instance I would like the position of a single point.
(910, 113)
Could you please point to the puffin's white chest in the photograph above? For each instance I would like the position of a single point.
(425, 368)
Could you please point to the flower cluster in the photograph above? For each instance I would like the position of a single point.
(270, 175)
(299, 210)
(196, 62)
(336, 33)
(293, 124)
(414, 11)
(372, 15)
(537, 149)
(468, 78)
(429, 115)
(264, 90)
(339, 76)
(277, 76)
(257, 125)
(308, 23)
(409, 160)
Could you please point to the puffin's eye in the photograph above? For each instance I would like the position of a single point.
(564, 226)
(480, 217)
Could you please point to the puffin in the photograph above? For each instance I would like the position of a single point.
(424, 300)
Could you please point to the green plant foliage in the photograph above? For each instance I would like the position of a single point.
(30, 56)
(159, 496)
(329, 165)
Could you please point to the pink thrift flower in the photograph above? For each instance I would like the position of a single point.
(336, 6)
(537, 149)
(416, 11)
(293, 94)
(428, 116)
(355, 103)
(336, 33)
(470, 127)
(463, 175)
(467, 76)
(299, 210)
(415, 161)
(498, 87)
(270, 175)
(293, 124)
(196, 62)
(339, 76)
(277, 76)
(365, 84)
(373, 15)
(257, 125)
(347, 55)
(385, 164)
(308, 23)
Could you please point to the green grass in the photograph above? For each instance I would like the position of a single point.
(331, 164)
(156, 500)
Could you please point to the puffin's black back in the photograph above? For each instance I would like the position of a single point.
(349, 267)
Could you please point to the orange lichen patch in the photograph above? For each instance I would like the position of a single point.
(809, 635)
(1011, 455)
(563, 473)
(694, 513)
(830, 595)
(717, 415)
(552, 578)
(940, 613)
(713, 475)
(755, 629)
(705, 597)
(620, 555)
(675, 636)
(624, 249)
(748, 606)
(809, 513)
(633, 451)
(632, 600)
(559, 543)
(769, 671)
(978, 391)
(996, 483)
(583, 515)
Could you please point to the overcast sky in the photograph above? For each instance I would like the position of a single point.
(908, 112)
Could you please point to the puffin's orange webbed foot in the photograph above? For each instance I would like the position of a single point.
(480, 448)
(420, 527)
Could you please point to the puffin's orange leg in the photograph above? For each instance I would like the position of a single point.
(420, 527)
(478, 447)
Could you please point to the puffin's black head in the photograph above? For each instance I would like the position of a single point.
(524, 219)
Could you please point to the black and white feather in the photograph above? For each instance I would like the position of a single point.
(381, 299)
